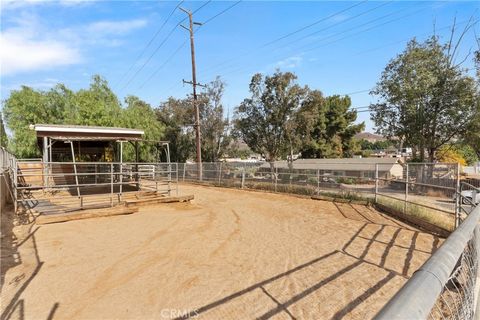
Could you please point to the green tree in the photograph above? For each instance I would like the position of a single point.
(467, 152)
(23, 108)
(214, 127)
(472, 137)
(424, 98)
(329, 125)
(97, 105)
(377, 145)
(177, 117)
(140, 115)
(266, 120)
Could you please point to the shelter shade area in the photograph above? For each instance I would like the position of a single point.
(86, 160)
(62, 143)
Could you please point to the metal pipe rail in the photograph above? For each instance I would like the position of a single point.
(417, 184)
(417, 204)
(419, 295)
(161, 177)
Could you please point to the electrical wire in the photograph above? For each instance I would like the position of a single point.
(185, 42)
(255, 50)
(148, 44)
(160, 45)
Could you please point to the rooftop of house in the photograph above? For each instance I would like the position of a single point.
(340, 164)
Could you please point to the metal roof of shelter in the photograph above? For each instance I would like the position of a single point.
(92, 133)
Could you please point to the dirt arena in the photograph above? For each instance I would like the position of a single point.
(229, 254)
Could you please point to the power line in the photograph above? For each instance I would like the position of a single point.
(185, 42)
(304, 49)
(313, 24)
(284, 36)
(408, 39)
(164, 64)
(370, 28)
(362, 107)
(356, 92)
(160, 45)
(344, 31)
(149, 43)
(221, 12)
(340, 22)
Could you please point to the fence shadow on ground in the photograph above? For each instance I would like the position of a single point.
(13, 306)
(366, 256)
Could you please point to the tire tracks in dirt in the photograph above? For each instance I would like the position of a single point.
(112, 277)
(231, 235)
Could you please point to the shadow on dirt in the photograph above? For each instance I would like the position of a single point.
(11, 246)
(355, 252)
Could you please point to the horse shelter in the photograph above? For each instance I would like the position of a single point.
(84, 167)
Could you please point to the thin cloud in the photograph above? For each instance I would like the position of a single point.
(44, 84)
(339, 18)
(20, 4)
(116, 27)
(289, 63)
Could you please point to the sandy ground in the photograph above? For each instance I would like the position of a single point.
(229, 254)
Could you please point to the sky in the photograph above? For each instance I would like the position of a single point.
(139, 47)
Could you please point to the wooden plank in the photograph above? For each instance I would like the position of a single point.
(129, 203)
(85, 214)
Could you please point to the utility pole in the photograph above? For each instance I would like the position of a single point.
(194, 86)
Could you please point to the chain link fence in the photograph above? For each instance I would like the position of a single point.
(424, 192)
(280, 177)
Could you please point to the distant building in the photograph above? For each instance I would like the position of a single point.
(350, 167)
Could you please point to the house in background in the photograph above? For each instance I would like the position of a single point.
(347, 167)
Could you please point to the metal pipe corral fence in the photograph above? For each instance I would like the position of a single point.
(34, 181)
(444, 287)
